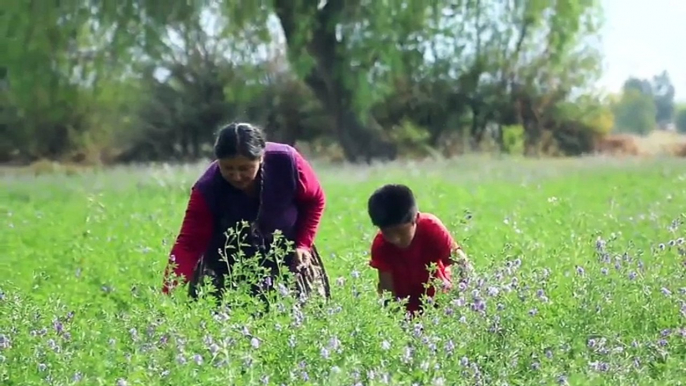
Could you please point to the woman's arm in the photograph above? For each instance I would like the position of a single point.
(310, 200)
(192, 241)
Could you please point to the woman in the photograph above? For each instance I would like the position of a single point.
(269, 185)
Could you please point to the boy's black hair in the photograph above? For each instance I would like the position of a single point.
(392, 205)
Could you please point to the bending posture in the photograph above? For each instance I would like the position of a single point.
(407, 243)
(269, 185)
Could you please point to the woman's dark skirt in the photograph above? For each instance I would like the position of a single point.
(310, 281)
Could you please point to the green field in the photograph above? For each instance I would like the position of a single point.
(581, 273)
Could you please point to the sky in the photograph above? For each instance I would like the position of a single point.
(642, 38)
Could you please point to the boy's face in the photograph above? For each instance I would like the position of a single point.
(400, 235)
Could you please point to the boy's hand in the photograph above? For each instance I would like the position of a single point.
(462, 262)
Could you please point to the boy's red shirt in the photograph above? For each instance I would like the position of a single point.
(409, 267)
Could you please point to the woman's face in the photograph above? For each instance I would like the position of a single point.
(239, 171)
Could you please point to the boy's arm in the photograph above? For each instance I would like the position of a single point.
(460, 259)
(378, 261)
(449, 251)
(385, 283)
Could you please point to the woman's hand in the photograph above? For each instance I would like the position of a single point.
(301, 258)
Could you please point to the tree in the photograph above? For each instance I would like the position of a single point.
(663, 95)
(681, 120)
(442, 66)
(642, 86)
(351, 53)
(635, 112)
(661, 90)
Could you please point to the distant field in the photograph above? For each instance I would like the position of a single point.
(581, 277)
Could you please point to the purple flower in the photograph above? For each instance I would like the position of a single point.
(58, 326)
(599, 366)
(334, 344)
(479, 306)
(5, 342)
(493, 291)
(283, 290)
(449, 347)
(407, 355)
(600, 244)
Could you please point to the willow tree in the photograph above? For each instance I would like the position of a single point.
(59, 60)
(349, 53)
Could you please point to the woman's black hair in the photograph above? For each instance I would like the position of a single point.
(391, 205)
(239, 139)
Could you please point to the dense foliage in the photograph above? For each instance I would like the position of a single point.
(573, 285)
(137, 80)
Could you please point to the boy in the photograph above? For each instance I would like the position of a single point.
(407, 243)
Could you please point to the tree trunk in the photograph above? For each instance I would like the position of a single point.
(326, 80)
